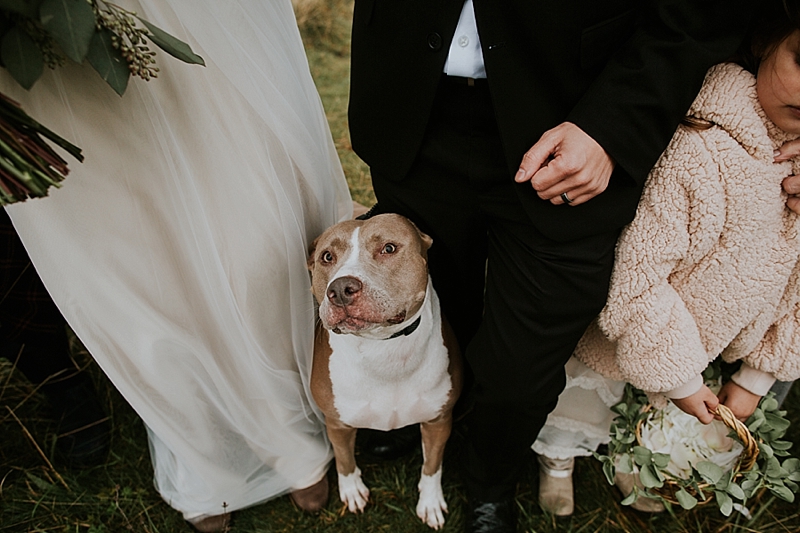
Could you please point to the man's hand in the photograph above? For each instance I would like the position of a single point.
(792, 183)
(566, 160)
(700, 404)
(739, 400)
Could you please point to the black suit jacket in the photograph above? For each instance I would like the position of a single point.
(625, 71)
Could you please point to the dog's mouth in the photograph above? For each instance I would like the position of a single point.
(398, 318)
(351, 324)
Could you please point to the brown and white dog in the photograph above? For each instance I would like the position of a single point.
(384, 357)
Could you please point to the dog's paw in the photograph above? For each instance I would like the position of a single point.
(431, 506)
(353, 492)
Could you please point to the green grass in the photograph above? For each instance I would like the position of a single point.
(119, 495)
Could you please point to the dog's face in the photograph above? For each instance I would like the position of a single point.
(369, 274)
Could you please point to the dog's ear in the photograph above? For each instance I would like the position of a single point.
(312, 249)
(426, 239)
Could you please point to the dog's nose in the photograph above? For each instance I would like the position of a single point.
(342, 291)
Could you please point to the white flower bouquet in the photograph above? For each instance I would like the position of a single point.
(680, 461)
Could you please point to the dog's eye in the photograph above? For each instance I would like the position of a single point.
(326, 257)
(389, 248)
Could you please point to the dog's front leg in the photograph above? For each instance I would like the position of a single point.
(352, 490)
(431, 506)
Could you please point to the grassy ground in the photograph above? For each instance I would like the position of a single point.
(37, 494)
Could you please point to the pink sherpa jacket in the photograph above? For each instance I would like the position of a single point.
(711, 263)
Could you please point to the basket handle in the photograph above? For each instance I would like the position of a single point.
(750, 452)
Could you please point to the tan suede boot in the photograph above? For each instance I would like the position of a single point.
(220, 523)
(313, 498)
(555, 485)
(624, 483)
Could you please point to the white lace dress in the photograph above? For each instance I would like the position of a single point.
(177, 250)
(582, 418)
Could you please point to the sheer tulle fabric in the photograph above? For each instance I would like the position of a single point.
(177, 250)
(581, 420)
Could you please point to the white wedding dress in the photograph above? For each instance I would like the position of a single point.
(177, 251)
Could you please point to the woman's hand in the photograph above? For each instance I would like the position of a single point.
(791, 184)
(700, 404)
(739, 400)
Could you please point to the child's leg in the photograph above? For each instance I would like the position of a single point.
(577, 426)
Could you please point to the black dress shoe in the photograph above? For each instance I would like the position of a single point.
(83, 428)
(491, 517)
(388, 445)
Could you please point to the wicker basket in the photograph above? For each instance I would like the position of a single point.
(746, 460)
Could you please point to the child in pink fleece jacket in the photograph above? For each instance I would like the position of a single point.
(710, 266)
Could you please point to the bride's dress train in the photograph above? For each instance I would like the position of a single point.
(177, 250)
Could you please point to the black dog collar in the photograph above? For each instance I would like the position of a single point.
(408, 330)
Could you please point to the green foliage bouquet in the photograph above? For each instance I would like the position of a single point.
(28, 166)
(35, 33)
(751, 456)
(39, 33)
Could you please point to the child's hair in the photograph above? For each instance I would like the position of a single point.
(774, 22)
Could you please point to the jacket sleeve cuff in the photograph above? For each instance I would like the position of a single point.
(685, 390)
(752, 380)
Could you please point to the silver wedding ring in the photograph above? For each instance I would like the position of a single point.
(565, 198)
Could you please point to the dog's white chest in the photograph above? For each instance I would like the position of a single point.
(388, 384)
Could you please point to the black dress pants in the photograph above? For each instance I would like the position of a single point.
(517, 300)
(29, 317)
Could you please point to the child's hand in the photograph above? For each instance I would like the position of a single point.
(700, 404)
(740, 401)
(792, 183)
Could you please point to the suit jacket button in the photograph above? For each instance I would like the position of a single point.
(434, 41)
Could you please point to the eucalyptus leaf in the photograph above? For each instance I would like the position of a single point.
(630, 498)
(736, 491)
(710, 472)
(649, 477)
(755, 422)
(620, 408)
(782, 492)
(725, 480)
(71, 23)
(171, 45)
(686, 500)
(21, 57)
(750, 487)
(108, 61)
(724, 501)
(765, 450)
(791, 465)
(769, 404)
(661, 460)
(744, 511)
(773, 434)
(641, 455)
(777, 422)
(773, 468)
(608, 471)
(625, 465)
